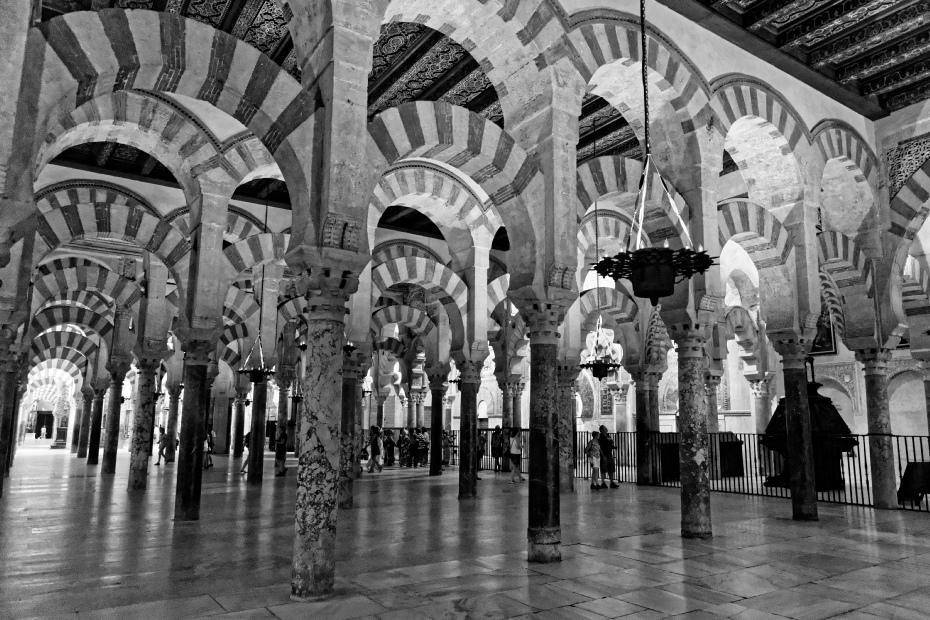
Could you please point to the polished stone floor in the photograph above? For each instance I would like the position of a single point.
(75, 542)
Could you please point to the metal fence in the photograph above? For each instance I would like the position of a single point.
(748, 463)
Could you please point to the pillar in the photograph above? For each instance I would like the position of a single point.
(174, 398)
(314, 562)
(761, 402)
(506, 404)
(437, 380)
(111, 439)
(86, 414)
(96, 419)
(292, 422)
(259, 379)
(7, 400)
(800, 443)
(380, 417)
(78, 421)
(469, 378)
(411, 407)
(193, 430)
(693, 451)
(565, 425)
(509, 416)
(881, 441)
(143, 427)
(711, 383)
(347, 451)
(925, 367)
(284, 386)
(647, 423)
(242, 400)
(544, 531)
(419, 398)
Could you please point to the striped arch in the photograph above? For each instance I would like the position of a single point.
(251, 159)
(615, 306)
(741, 326)
(231, 357)
(239, 305)
(64, 356)
(240, 224)
(414, 319)
(845, 262)
(61, 276)
(69, 193)
(836, 139)
(70, 221)
(763, 134)
(234, 333)
(832, 300)
(101, 324)
(58, 365)
(915, 287)
(497, 290)
(54, 340)
(478, 149)
(256, 250)
(90, 53)
(390, 345)
(611, 230)
(402, 248)
(292, 309)
(89, 300)
(909, 209)
(436, 278)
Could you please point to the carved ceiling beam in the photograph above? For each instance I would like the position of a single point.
(401, 65)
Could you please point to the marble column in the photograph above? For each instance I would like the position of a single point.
(544, 531)
(314, 562)
(86, 414)
(193, 430)
(292, 422)
(437, 391)
(881, 442)
(469, 378)
(711, 383)
(565, 424)
(619, 407)
(379, 419)
(78, 421)
(800, 456)
(411, 407)
(7, 432)
(419, 399)
(284, 386)
(242, 401)
(647, 423)
(143, 427)
(925, 367)
(259, 379)
(517, 408)
(96, 420)
(761, 402)
(347, 451)
(507, 418)
(174, 398)
(111, 439)
(692, 422)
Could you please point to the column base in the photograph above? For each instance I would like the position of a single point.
(544, 545)
(310, 598)
(699, 535)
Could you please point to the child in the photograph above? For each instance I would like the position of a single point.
(593, 453)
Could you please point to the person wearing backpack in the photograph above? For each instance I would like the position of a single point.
(497, 447)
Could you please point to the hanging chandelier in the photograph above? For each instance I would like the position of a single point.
(653, 271)
(254, 365)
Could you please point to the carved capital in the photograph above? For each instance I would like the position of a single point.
(875, 360)
(198, 352)
(690, 338)
(543, 320)
(470, 372)
(792, 347)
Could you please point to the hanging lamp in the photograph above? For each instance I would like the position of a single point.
(600, 365)
(254, 365)
(653, 271)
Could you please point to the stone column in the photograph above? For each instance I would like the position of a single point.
(711, 383)
(143, 427)
(314, 562)
(351, 375)
(411, 407)
(761, 402)
(469, 378)
(881, 442)
(174, 397)
(96, 420)
(506, 404)
(259, 379)
(284, 385)
(619, 406)
(193, 430)
(111, 439)
(647, 423)
(509, 417)
(292, 422)
(379, 420)
(518, 419)
(437, 380)
(565, 425)
(242, 401)
(925, 367)
(800, 443)
(8, 377)
(544, 532)
(692, 418)
(86, 415)
(78, 421)
(419, 398)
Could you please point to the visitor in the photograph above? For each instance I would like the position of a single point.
(414, 447)
(162, 445)
(446, 448)
(482, 438)
(247, 448)
(515, 453)
(497, 447)
(423, 444)
(280, 453)
(389, 445)
(375, 448)
(403, 444)
(593, 453)
(208, 448)
(608, 461)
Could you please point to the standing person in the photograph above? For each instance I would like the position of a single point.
(280, 452)
(497, 447)
(414, 447)
(446, 448)
(403, 443)
(375, 448)
(247, 447)
(482, 439)
(608, 461)
(208, 448)
(389, 445)
(515, 452)
(162, 444)
(593, 453)
(424, 446)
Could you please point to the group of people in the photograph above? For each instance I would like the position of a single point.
(600, 455)
(413, 447)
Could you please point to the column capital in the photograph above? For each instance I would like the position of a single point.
(690, 338)
(875, 360)
(543, 319)
(759, 385)
(327, 289)
(469, 371)
(198, 352)
(793, 348)
(174, 390)
(284, 376)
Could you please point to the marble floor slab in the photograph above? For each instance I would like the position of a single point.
(76, 543)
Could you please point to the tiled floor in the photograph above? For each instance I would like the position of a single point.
(75, 542)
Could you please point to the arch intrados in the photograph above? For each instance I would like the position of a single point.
(93, 301)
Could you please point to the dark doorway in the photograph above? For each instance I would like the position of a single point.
(44, 423)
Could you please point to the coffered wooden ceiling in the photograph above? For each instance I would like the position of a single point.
(872, 55)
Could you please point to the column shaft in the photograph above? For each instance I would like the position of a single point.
(347, 453)
(544, 532)
(96, 420)
(257, 438)
(881, 442)
(143, 428)
(86, 415)
(435, 429)
(421, 409)
(111, 439)
(800, 443)
(193, 433)
(693, 451)
(7, 432)
(78, 422)
(647, 423)
(517, 409)
(468, 430)
(174, 399)
(565, 425)
(239, 426)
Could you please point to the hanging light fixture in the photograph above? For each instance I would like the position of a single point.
(600, 365)
(254, 365)
(653, 271)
